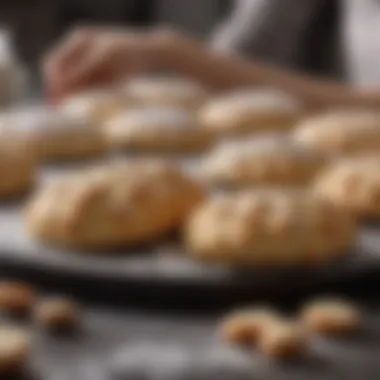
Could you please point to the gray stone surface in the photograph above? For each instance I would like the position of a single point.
(161, 346)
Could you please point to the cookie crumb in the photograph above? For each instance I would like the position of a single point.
(15, 349)
(16, 298)
(57, 314)
(331, 316)
(283, 340)
(245, 326)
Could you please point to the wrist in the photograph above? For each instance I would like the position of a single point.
(165, 49)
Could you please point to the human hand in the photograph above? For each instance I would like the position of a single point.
(90, 57)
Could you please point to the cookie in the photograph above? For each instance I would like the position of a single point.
(258, 161)
(14, 349)
(16, 298)
(53, 134)
(353, 184)
(169, 91)
(161, 129)
(18, 165)
(96, 106)
(331, 316)
(246, 326)
(283, 340)
(250, 111)
(57, 313)
(269, 227)
(341, 132)
(120, 205)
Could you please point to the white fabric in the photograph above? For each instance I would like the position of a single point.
(274, 30)
(361, 40)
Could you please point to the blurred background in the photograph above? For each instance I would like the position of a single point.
(36, 24)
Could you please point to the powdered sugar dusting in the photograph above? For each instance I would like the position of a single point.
(271, 144)
(154, 118)
(260, 100)
(41, 121)
(146, 87)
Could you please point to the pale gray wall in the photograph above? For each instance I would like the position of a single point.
(37, 23)
(195, 16)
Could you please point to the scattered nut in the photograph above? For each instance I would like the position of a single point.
(57, 314)
(245, 326)
(331, 316)
(16, 297)
(14, 349)
(283, 340)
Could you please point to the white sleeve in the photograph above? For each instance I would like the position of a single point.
(361, 41)
(246, 18)
(266, 28)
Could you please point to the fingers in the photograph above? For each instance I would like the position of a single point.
(86, 70)
(65, 56)
(103, 63)
(91, 57)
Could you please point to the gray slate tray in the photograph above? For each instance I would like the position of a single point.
(166, 265)
(167, 262)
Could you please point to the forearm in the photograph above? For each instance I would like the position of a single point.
(228, 71)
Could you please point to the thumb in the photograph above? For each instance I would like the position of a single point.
(87, 69)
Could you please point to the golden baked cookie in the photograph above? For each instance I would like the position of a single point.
(15, 347)
(18, 164)
(341, 132)
(264, 160)
(128, 203)
(353, 184)
(245, 326)
(170, 91)
(96, 106)
(283, 339)
(331, 316)
(250, 111)
(162, 129)
(53, 134)
(16, 298)
(57, 313)
(269, 227)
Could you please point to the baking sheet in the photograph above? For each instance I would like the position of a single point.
(165, 263)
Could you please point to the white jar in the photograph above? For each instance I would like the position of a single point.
(12, 74)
